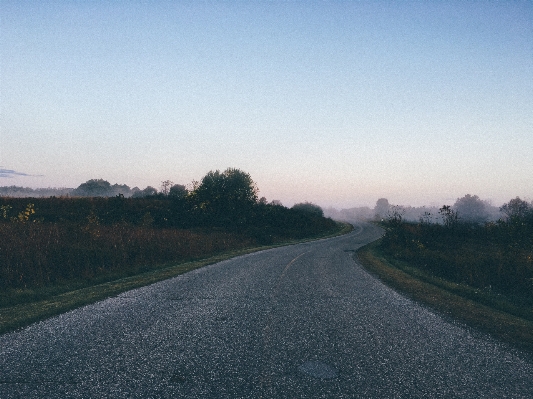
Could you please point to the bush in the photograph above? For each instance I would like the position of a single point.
(309, 207)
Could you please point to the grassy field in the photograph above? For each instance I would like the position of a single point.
(506, 319)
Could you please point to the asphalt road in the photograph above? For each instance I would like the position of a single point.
(304, 321)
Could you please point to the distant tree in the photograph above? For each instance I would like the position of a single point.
(94, 188)
(309, 207)
(177, 191)
(426, 219)
(449, 216)
(276, 203)
(381, 210)
(471, 208)
(121, 189)
(395, 215)
(165, 187)
(147, 192)
(516, 209)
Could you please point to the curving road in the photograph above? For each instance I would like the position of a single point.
(303, 321)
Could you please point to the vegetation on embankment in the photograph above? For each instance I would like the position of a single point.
(479, 274)
(60, 253)
(22, 307)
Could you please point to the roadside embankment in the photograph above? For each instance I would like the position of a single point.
(52, 301)
(447, 298)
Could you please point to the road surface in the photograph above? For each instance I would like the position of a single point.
(304, 321)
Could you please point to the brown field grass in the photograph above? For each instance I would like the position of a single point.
(138, 257)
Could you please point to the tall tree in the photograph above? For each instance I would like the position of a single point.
(225, 196)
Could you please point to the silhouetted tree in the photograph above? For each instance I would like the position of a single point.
(227, 197)
(94, 188)
(516, 209)
(165, 187)
(449, 216)
(395, 215)
(147, 192)
(177, 191)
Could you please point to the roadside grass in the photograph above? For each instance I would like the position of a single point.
(482, 309)
(22, 307)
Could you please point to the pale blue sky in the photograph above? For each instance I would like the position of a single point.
(338, 103)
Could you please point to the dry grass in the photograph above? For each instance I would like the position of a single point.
(25, 306)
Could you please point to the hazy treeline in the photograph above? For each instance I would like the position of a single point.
(48, 240)
(91, 188)
(468, 209)
(24, 192)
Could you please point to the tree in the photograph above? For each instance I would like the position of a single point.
(381, 210)
(94, 188)
(471, 208)
(449, 216)
(147, 192)
(395, 215)
(227, 197)
(165, 187)
(516, 209)
(309, 207)
(177, 191)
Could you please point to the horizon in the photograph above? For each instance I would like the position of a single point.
(335, 103)
(334, 208)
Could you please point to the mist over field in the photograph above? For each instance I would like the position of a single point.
(469, 209)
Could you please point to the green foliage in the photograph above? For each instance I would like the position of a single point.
(395, 216)
(165, 186)
(33, 255)
(147, 192)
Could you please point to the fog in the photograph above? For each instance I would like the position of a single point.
(469, 209)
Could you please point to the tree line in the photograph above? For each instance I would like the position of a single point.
(46, 241)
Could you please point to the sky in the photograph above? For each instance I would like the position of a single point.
(334, 102)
